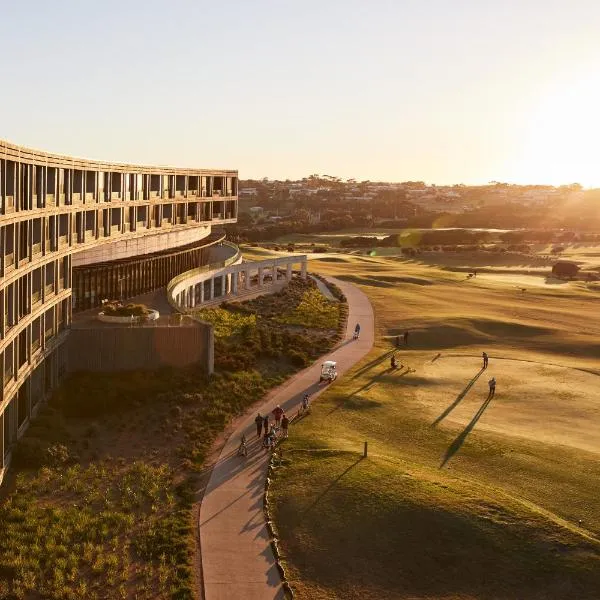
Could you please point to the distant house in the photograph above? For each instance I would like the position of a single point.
(248, 193)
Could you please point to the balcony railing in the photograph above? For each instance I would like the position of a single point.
(8, 375)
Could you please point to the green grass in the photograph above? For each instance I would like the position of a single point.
(368, 528)
(499, 519)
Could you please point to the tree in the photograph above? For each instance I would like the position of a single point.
(565, 268)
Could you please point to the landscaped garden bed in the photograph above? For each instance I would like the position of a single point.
(117, 312)
(102, 504)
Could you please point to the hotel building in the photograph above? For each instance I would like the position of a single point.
(74, 232)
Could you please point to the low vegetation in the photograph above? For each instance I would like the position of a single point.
(102, 502)
(117, 309)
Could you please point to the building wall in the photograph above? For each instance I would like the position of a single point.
(53, 206)
(157, 242)
(127, 348)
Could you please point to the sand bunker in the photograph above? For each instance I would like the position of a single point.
(552, 404)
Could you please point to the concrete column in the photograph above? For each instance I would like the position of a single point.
(202, 292)
(288, 275)
(248, 281)
(303, 269)
(234, 282)
(261, 274)
(223, 285)
(192, 295)
(212, 288)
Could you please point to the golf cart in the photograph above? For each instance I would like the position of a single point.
(328, 371)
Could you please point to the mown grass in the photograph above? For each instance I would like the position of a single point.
(505, 517)
(102, 502)
(367, 528)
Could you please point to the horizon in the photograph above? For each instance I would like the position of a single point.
(390, 92)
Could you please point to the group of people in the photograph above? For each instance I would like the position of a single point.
(272, 428)
(492, 381)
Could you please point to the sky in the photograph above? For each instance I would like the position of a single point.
(443, 91)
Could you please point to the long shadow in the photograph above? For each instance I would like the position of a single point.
(460, 440)
(365, 388)
(458, 398)
(374, 363)
(329, 487)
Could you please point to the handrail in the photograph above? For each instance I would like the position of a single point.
(203, 269)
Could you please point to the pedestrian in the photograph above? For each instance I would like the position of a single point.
(492, 384)
(285, 423)
(406, 338)
(266, 424)
(305, 402)
(277, 413)
(259, 424)
(485, 360)
(357, 331)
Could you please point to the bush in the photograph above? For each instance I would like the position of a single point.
(298, 359)
(115, 309)
(30, 453)
(566, 269)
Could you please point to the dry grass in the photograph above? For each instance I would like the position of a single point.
(460, 497)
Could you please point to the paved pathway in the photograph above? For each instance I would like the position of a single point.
(237, 560)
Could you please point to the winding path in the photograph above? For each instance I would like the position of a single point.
(237, 560)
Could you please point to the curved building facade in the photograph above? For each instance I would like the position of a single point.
(96, 226)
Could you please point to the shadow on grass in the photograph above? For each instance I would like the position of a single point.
(329, 487)
(372, 364)
(460, 440)
(365, 388)
(458, 398)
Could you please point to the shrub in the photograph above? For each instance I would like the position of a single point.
(30, 453)
(298, 358)
(565, 268)
(115, 309)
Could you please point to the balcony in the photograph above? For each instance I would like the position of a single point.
(35, 346)
(49, 289)
(48, 333)
(36, 298)
(8, 376)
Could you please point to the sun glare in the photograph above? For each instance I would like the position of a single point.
(561, 144)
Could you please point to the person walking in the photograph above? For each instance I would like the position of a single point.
(492, 384)
(259, 424)
(485, 360)
(406, 338)
(357, 331)
(304, 407)
(285, 423)
(266, 424)
(277, 413)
